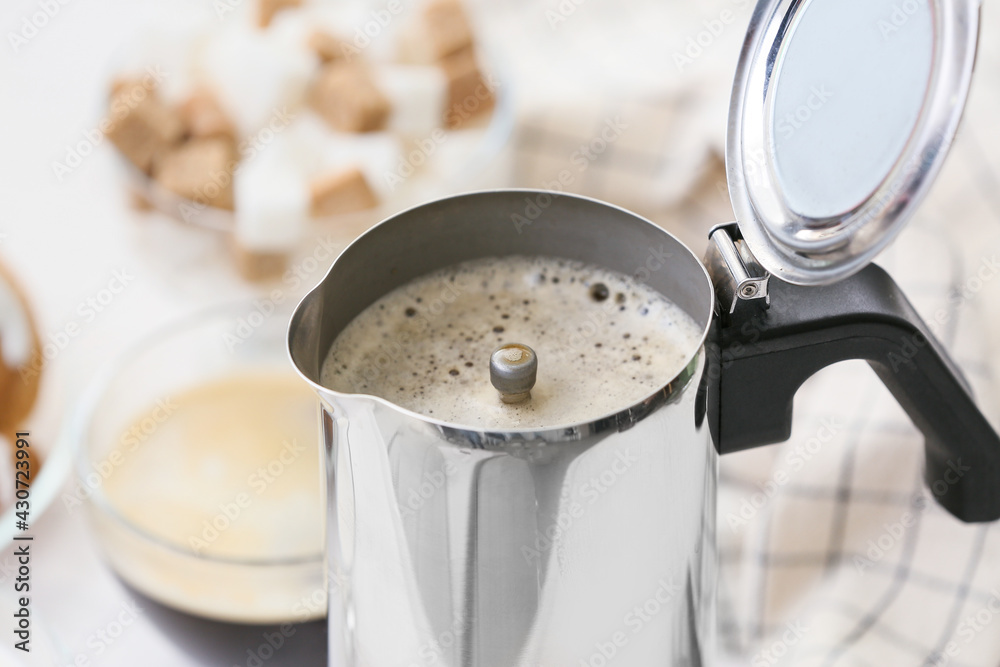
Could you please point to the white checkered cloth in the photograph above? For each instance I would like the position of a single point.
(851, 562)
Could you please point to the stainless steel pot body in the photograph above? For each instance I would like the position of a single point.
(587, 544)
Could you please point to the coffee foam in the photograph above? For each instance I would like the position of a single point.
(604, 342)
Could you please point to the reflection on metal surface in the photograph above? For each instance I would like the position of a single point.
(528, 552)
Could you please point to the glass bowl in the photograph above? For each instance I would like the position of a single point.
(191, 505)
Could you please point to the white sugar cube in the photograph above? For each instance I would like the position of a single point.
(418, 96)
(255, 75)
(272, 205)
(304, 143)
(433, 30)
(291, 28)
(377, 155)
(316, 149)
(460, 155)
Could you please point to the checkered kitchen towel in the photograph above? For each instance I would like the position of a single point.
(833, 551)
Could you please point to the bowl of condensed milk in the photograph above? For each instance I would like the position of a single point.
(199, 460)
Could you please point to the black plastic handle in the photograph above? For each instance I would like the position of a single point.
(759, 358)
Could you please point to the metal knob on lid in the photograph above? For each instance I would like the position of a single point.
(513, 371)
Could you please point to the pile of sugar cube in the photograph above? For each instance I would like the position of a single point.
(295, 112)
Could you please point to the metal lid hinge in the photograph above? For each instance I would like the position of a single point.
(736, 273)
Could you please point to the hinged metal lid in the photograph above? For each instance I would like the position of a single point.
(842, 114)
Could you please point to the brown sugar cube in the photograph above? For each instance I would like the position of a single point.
(340, 192)
(200, 170)
(268, 8)
(346, 96)
(259, 266)
(441, 30)
(327, 47)
(469, 94)
(447, 27)
(204, 116)
(139, 201)
(140, 125)
(118, 84)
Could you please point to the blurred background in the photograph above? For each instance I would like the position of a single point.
(623, 101)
